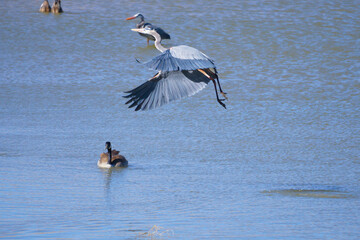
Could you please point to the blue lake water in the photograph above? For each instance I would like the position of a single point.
(282, 162)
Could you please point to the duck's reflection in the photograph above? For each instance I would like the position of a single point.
(108, 174)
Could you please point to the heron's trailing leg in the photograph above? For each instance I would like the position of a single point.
(213, 80)
(221, 91)
(217, 96)
(148, 40)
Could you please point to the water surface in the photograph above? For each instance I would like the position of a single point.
(282, 162)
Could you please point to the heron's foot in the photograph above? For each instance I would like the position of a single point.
(224, 95)
(221, 102)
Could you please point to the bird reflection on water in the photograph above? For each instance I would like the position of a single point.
(108, 174)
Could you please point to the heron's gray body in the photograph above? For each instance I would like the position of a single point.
(180, 58)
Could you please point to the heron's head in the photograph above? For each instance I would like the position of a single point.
(136, 16)
(146, 30)
(108, 146)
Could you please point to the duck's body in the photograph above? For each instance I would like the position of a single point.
(112, 158)
(45, 7)
(56, 7)
(117, 160)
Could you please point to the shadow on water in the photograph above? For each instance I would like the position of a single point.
(310, 193)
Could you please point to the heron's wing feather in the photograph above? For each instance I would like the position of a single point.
(180, 58)
(161, 32)
(166, 87)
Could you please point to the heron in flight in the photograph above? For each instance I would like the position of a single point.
(143, 24)
(182, 72)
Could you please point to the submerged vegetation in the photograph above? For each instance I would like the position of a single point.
(157, 232)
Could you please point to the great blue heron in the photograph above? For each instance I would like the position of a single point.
(143, 24)
(182, 71)
(56, 7)
(45, 7)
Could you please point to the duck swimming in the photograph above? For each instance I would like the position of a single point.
(56, 7)
(112, 158)
(45, 7)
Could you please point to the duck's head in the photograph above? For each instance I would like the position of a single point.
(108, 146)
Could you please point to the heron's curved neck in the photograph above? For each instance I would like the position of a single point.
(141, 17)
(141, 23)
(158, 45)
(109, 153)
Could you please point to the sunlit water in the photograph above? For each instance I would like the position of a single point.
(282, 162)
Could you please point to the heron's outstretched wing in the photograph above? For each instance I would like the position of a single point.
(180, 58)
(166, 87)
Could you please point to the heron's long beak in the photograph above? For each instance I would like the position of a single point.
(136, 30)
(130, 18)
